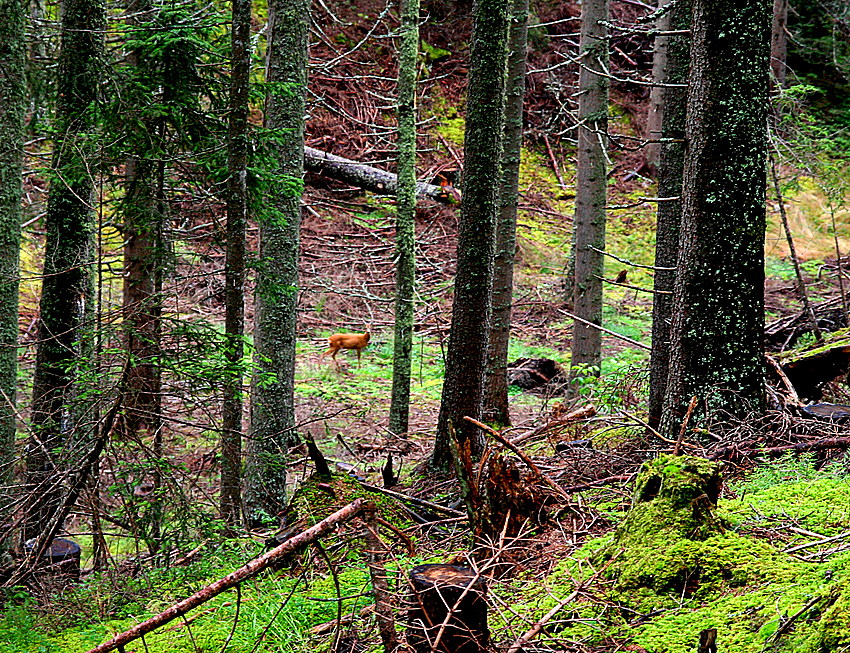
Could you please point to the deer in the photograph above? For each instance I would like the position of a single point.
(355, 341)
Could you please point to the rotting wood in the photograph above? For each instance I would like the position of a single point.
(522, 455)
(708, 641)
(367, 177)
(447, 610)
(243, 573)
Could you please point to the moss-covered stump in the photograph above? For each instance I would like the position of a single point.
(674, 503)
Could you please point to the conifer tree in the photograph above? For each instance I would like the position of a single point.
(272, 429)
(66, 294)
(12, 109)
(466, 354)
(408, 52)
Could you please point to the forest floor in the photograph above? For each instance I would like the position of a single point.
(748, 585)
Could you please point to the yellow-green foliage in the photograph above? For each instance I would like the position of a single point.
(810, 221)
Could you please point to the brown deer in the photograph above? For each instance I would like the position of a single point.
(355, 341)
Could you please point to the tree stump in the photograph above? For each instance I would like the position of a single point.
(447, 602)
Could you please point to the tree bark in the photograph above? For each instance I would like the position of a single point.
(234, 270)
(467, 347)
(405, 217)
(669, 215)
(12, 109)
(718, 306)
(496, 409)
(67, 283)
(591, 187)
(272, 429)
(655, 114)
(779, 42)
(448, 610)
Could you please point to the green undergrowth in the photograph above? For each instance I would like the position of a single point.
(666, 584)
(278, 607)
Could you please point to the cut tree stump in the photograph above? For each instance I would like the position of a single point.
(447, 610)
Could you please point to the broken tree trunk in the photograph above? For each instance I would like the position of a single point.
(448, 610)
(243, 573)
(368, 177)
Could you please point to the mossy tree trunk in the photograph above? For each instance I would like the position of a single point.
(671, 159)
(467, 347)
(234, 267)
(12, 108)
(496, 409)
(272, 429)
(66, 294)
(718, 306)
(405, 279)
(591, 188)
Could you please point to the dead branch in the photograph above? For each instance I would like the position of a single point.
(367, 177)
(243, 573)
(523, 456)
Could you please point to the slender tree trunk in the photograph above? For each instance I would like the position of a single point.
(12, 108)
(143, 223)
(669, 214)
(144, 212)
(405, 278)
(466, 356)
(273, 398)
(66, 287)
(591, 186)
(496, 408)
(779, 42)
(717, 351)
(655, 114)
(237, 215)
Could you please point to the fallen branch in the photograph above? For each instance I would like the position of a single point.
(414, 500)
(367, 177)
(243, 573)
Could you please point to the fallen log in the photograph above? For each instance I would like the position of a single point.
(368, 177)
(243, 573)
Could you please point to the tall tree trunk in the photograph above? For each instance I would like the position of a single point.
(591, 186)
(12, 108)
(273, 398)
(655, 113)
(144, 249)
(143, 224)
(779, 42)
(496, 408)
(66, 287)
(717, 351)
(405, 278)
(234, 271)
(669, 214)
(466, 356)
